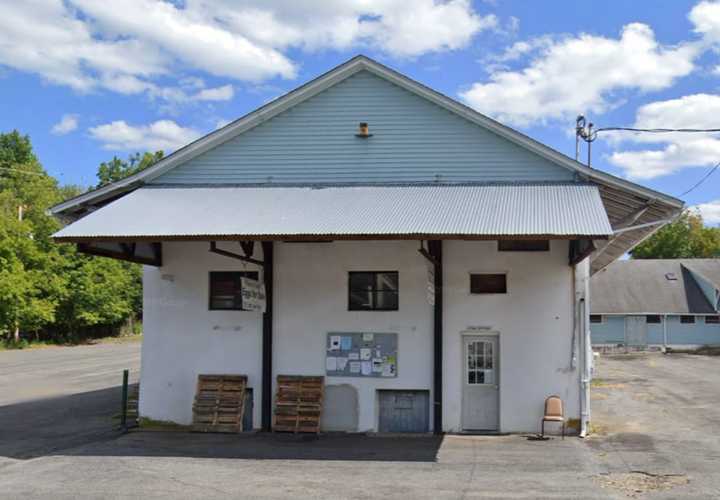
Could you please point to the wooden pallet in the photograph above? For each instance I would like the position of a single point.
(219, 403)
(298, 403)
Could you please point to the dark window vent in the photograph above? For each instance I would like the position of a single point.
(671, 276)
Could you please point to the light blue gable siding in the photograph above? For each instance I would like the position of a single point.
(699, 333)
(413, 140)
(612, 331)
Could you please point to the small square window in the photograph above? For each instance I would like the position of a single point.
(373, 291)
(653, 319)
(596, 318)
(688, 320)
(523, 245)
(712, 320)
(488, 283)
(225, 289)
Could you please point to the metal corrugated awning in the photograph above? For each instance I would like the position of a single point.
(359, 212)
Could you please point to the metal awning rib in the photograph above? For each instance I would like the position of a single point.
(359, 212)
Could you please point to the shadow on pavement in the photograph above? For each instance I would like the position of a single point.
(83, 425)
(43, 426)
(265, 446)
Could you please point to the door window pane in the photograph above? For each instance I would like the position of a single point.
(480, 362)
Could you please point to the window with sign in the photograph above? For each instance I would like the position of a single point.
(226, 289)
(480, 363)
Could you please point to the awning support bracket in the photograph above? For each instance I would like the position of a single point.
(127, 252)
(428, 255)
(233, 255)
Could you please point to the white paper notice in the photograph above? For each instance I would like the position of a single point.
(341, 364)
(387, 370)
(335, 342)
(377, 365)
(353, 355)
(368, 337)
(331, 364)
(366, 368)
(354, 366)
(365, 354)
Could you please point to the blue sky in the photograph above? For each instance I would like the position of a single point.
(87, 82)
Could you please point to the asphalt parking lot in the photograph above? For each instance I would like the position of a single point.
(658, 419)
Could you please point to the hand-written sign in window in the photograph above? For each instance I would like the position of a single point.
(226, 289)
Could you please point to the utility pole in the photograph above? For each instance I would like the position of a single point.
(16, 334)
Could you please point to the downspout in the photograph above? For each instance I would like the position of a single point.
(665, 342)
(586, 359)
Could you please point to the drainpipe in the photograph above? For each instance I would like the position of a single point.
(586, 360)
(665, 333)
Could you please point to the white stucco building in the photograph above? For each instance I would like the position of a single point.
(431, 263)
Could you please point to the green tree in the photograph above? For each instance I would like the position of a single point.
(117, 169)
(47, 288)
(685, 238)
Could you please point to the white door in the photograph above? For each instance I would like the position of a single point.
(480, 383)
(635, 331)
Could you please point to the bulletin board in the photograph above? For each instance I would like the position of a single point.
(361, 354)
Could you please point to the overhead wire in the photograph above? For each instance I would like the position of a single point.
(588, 134)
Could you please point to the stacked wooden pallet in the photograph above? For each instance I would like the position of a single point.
(298, 403)
(219, 403)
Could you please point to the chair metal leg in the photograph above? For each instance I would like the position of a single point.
(563, 430)
(542, 429)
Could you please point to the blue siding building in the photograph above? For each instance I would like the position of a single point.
(639, 303)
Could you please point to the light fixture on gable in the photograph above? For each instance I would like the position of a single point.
(363, 131)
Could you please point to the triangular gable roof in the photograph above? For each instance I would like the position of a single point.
(323, 82)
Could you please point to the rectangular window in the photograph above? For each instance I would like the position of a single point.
(596, 318)
(523, 245)
(712, 320)
(225, 290)
(653, 319)
(488, 283)
(373, 291)
(688, 320)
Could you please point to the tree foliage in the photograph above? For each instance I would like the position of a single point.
(117, 169)
(685, 238)
(49, 290)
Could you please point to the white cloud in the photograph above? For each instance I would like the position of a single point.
(224, 93)
(67, 124)
(87, 46)
(706, 18)
(579, 74)
(165, 135)
(710, 211)
(671, 152)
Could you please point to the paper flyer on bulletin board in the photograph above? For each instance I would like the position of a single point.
(361, 354)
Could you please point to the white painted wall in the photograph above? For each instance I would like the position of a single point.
(534, 321)
(182, 338)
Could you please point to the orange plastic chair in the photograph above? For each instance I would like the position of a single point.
(553, 413)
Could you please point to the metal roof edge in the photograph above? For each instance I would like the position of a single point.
(321, 83)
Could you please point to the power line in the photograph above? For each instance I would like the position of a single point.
(587, 133)
(657, 130)
(710, 172)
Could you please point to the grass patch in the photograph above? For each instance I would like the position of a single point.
(599, 383)
(150, 424)
(9, 345)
